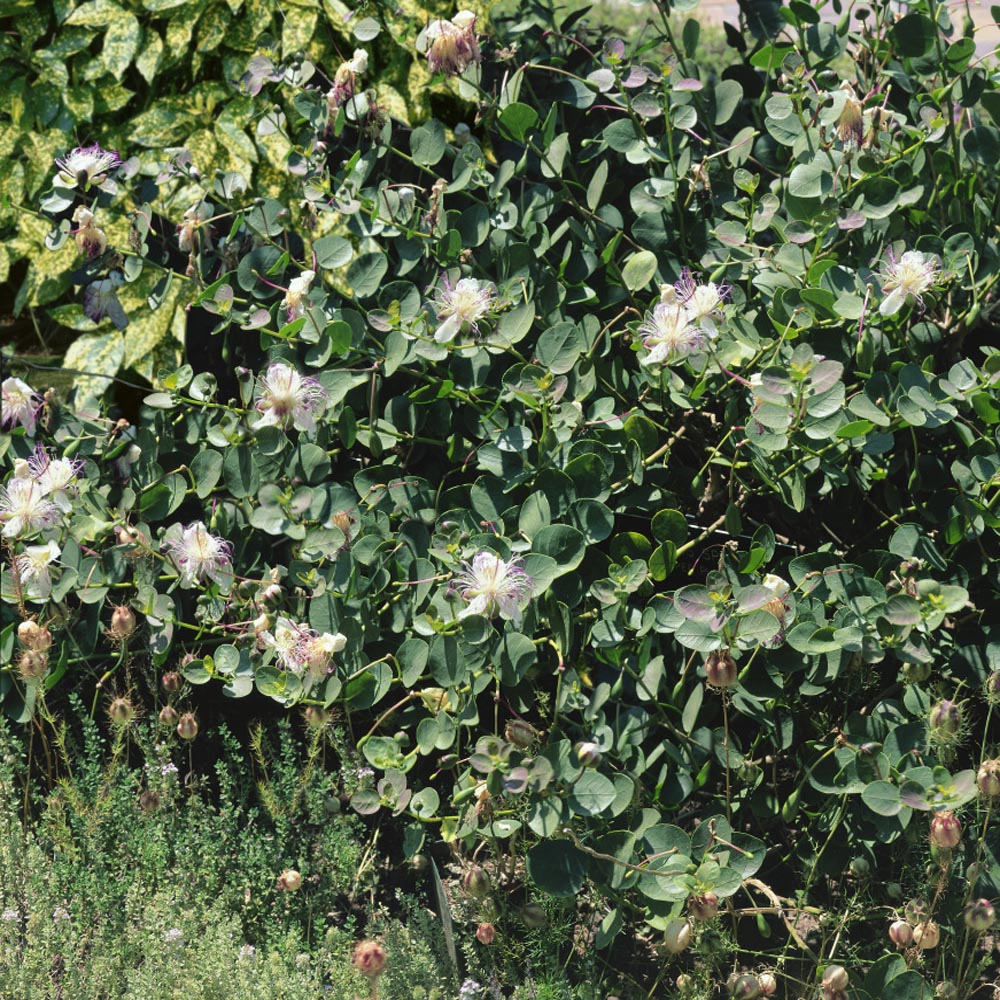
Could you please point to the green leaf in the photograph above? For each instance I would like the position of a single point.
(517, 119)
(592, 794)
(913, 35)
(333, 252)
(639, 270)
(241, 473)
(121, 41)
(93, 355)
(557, 867)
(206, 467)
(882, 798)
(366, 272)
(564, 544)
(427, 143)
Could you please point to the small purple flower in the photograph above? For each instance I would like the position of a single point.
(493, 586)
(19, 404)
(285, 397)
(462, 306)
(86, 165)
(199, 554)
(100, 299)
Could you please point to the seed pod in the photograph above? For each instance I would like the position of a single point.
(768, 984)
(901, 934)
(894, 890)
(980, 915)
(860, 868)
(290, 880)
(835, 978)
(703, 907)
(677, 936)
(187, 727)
(946, 831)
(720, 669)
(926, 935)
(476, 882)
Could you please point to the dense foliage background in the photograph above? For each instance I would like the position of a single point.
(594, 436)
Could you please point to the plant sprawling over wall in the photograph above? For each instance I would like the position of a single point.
(613, 454)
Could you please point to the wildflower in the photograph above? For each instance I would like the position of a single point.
(369, 958)
(100, 299)
(345, 79)
(33, 572)
(247, 953)
(298, 289)
(174, 937)
(199, 554)
(57, 477)
(670, 335)
(90, 240)
(189, 232)
(319, 651)
(851, 123)
(906, 277)
(494, 586)
(462, 305)
(60, 915)
(468, 989)
(288, 397)
(453, 46)
(25, 508)
(86, 165)
(299, 648)
(703, 303)
(10, 916)
(20, 405)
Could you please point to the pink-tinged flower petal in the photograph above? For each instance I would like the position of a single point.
(492, 585)
(199, 555)
(19, 404)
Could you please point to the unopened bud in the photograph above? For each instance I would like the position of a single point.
(677, 936)
(462, 134)
(34, 636)
(720, 669)
(588, 754)
(187, 727)
(533, 916)
(121, 711)
(522, 734)
(122, 622)
(168, 716)
(945, 720)
(926, 935)
(946, 831)
(835, 978)
(703, 907)
(901, 934)
(316, 717)
(149, 801)
(171, 682)
(485, 933)
(991, 687)
(916, 673)
(290, 880)
(768, 984)
(860, 868)
(744, 987)
(980, 915)
(368, 957)
(476, 882)
(988, 778)
(33, 664)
